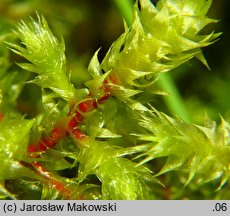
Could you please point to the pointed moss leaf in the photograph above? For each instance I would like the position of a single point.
(222, 183)
(127, 74)
(28, 67)
(123, 93)
(105, 133)
(94, 66)
(55, 160)
(202, 59)
(134, 105)
(46, 54)
(172, 163)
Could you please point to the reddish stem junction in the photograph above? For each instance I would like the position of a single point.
(59, 133)
(73, 129)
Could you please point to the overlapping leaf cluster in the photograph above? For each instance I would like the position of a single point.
(160, 39)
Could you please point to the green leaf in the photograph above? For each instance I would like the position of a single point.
(94, 66)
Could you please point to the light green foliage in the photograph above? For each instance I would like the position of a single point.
(204, 151)
(46, 55)
(12, 133)
(116, 174)
(11, 85)
(14, 139)
(160, 38)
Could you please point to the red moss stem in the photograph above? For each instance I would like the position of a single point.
(85, 106)
(66, 191)
(1, 116)
(59, 133)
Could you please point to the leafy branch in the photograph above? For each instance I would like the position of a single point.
(46, 55)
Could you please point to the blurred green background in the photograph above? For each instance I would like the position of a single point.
(87, 25)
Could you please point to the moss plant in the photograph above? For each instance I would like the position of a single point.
(102, 141)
